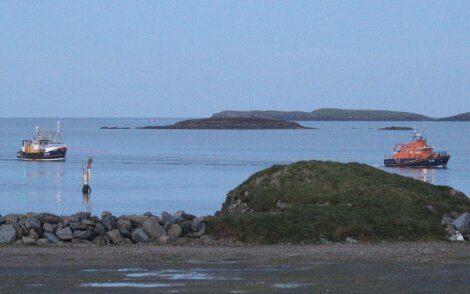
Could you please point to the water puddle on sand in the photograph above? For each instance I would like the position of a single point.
(130, 285)
(291, 285)
(121, 270)
(199, 275)
(219, 261)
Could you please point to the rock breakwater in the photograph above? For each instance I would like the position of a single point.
(83, 228)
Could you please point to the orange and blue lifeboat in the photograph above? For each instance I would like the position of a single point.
(417, 154)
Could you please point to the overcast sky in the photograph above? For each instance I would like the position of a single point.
(194, 58)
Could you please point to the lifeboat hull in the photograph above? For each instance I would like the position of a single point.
(53, 155)
(430, 162)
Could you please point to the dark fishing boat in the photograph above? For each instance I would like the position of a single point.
(46, 146)
(417, 154)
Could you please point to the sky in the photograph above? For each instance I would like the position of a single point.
(195, 58)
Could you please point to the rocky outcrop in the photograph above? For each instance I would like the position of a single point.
(83, 228)
(393, 128)
(231, 124)
(310, 200)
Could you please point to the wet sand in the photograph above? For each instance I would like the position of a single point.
(387, 267)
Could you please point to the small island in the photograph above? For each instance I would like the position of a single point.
(394, 128)
(231, 124)
(114, 128)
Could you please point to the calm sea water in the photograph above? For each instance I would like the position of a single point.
(135, 171)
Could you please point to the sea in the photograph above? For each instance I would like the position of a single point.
(135, 171)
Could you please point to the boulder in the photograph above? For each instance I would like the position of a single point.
(124, 224)
(47, 227)
(99, 240)
(351, 240)
(167, 226)
(140, 236)
(189, 217)
(450, 230)
(125, 233)
(61, 226)
(7, 233)
(51, 218)
(201, 232)
(81, 216)
(114, 237)
(152, 227)
(51, 238)
(106, 239)
(186, 227)
(456, 238)
(174, 232)
(82, 234)
(28, 240)
(65, 233)
(179, 213)
(148, 213)
(198, 222)
(42, 241)
(99, 229)
(2, 220)
(136, 220)
(446, 219)
(11, 219)
(462, 224)
(166, 217)
(163, 239)
(77, 226)
(88, 222)
(20, 230)
(179, 216)
(33, 234)
(65, 220)
(109, 221)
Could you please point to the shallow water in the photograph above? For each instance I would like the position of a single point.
(135, 171)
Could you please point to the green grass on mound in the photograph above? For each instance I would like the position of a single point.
(333, 201)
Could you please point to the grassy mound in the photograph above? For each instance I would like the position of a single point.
(309, 200)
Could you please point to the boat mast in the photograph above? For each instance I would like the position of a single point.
(58, 132)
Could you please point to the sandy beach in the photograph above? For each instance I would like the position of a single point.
(385, 267)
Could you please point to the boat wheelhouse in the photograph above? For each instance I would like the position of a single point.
(46, 146)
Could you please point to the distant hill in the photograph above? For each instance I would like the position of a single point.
(459, 117)
(236, 123)
(327, 114)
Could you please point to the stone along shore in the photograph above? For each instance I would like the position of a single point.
(83, 228)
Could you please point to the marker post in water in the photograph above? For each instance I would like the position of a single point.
(86, 190)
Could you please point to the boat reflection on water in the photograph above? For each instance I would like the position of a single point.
(86, 203)
(427, 175)
(42, 173)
